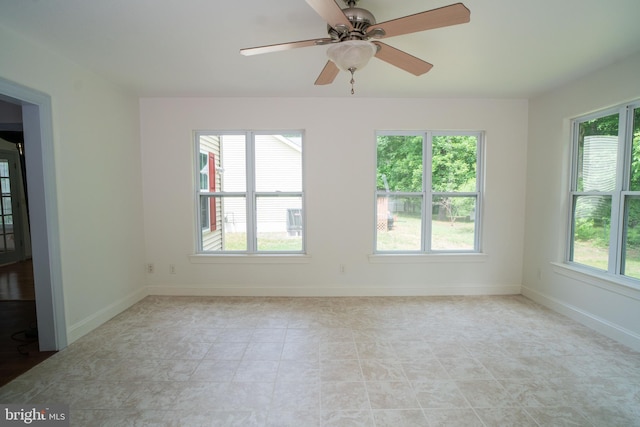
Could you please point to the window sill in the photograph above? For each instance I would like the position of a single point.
(249, 259)
(427, 258)
(620, 285)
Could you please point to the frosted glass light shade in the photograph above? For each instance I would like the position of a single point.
(351, 54)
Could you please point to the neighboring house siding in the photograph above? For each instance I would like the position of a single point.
(233, 159)
(275, 156)
(280, 157)
(212, 238)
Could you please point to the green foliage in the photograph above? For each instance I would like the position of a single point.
(453, 164)
(584, 229)
(607, 125)
(454, 161)
(633, 238)
(400, 161)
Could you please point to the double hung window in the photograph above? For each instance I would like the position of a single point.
(249, 192)
(605, 192)
(428, 192)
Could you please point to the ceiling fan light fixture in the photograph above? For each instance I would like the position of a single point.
(351, 55)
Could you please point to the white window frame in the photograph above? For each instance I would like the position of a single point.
(428, 194)
(618, 196)
(250, 194)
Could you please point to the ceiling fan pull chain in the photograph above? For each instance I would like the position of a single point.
(352, 70)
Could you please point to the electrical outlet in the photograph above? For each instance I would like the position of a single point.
(172, 268)
(150, 268)
(342, 268)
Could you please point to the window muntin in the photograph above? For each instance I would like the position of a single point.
(258, 192)
(428, 192)
(605, 192)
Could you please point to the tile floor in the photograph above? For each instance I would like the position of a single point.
(418, 361)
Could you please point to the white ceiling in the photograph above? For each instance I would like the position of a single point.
(511, 48)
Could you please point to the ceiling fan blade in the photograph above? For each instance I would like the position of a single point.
(331, 13)
(283, 46)
(403, 60)
(328, 73)
(436, 18)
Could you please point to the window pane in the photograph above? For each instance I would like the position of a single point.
(635, 155)
(5, 184)
(228, 224)
(204, 212)
(631, 254)
(4, 168)
(453, 223)
(204, 171)
(6, 205)
(279, 222)
(591, 224)
(454, 160)
(597, 154)
(399, 224)
(278, 162)
(399, 163)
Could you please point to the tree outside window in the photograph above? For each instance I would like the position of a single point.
(605, 192)
(428, 191)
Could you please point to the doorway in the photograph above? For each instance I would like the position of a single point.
(11, 233)
(42, 201)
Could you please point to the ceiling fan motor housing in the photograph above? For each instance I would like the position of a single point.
(361, 19)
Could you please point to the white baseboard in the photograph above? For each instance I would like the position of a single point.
(88, 324)
(333, 291)
(603, 326)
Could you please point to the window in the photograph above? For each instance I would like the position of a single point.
(428, 192)
(249, 192)
(605, 192)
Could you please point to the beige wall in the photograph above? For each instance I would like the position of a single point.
(98, 179)
(340, 177)
(604, 305)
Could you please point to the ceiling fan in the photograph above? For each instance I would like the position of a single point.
(350, 32)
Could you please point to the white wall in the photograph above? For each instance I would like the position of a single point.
(98, 178)
(608, 307)
(340, 178)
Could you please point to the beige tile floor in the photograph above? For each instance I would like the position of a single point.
(415, 361)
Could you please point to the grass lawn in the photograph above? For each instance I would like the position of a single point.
(445, 235)
(585, 252)
(266, 242)
(404, 236)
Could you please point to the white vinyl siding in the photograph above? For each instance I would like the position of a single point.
(258, 190)
(211, 144)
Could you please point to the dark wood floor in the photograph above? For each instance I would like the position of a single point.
(19, 350)
(16, 281)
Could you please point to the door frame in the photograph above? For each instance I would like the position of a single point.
(37, 124)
